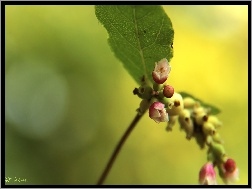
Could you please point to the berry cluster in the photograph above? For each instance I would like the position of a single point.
(165, 105)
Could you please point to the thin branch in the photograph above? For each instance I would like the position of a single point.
(118, 148)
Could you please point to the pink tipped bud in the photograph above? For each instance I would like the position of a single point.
(230, 165)
(158, 113)
(161, 71)
(207, 175)
(231, 173)
(168, 91)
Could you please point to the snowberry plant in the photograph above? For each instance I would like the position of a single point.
(141, 37)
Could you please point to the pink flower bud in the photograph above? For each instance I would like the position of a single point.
(158, 113)
(230, 165)
(161, 71)
(207, 175)
(231, 172)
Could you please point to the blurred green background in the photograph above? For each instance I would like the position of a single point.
(69, 100)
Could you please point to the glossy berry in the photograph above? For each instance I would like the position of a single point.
(189, 102)
(168, 91)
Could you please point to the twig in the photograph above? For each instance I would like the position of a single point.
(118, 148)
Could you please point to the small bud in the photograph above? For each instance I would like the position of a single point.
(208, 128)
(175, 104)
(200, 114)
(161, 71)
(207, 175)
(230, 165)
(158, 113)
(218, 149)
(209, 139)
(145, 92)
(168, 91)
(217, 138)
(135, 91)
(167, 101)
(214, 138)
(189, 102)
(198, 109)
(171, 123)
(215, 121)
(200, 118)
(186, 123)
(231, 172)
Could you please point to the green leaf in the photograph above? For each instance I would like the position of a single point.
(214, 110)
(139, 36)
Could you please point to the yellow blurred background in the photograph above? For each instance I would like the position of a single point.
(69, 100)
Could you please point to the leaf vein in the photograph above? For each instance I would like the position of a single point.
(137, 19)
(160, 29)
(139, 45)
(121, 13)
(126, 57)
(157, 35)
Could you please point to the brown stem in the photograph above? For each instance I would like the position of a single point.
(118, 148)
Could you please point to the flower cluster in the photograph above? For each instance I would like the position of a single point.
(156, 97)
(228, 171)
(196, 120)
